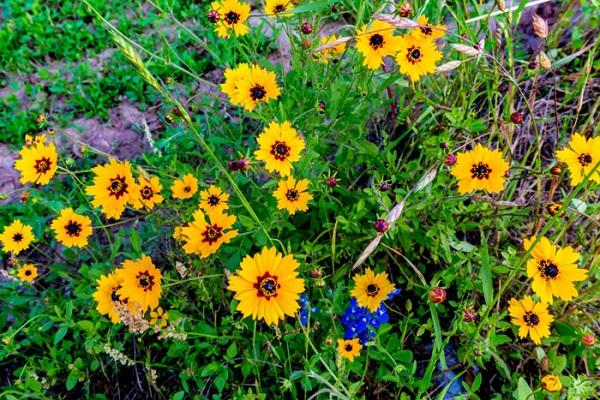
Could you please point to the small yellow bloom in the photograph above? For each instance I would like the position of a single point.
(349, 348)
(480, 169)
(185, 187)
(158, 318)
(250, 86)
(106, 296)
(207, 232)
(213, 199)
(532, 318)
(279, 145)
(27, 273)
(371, 289)
(38, 163)
(429, 31)
(278, 8)
(330, 53)
(376, 42)
(553, 269)
(148, 193)
(113, 188)
(140, 283)
(232, 15)
(292, 195)
(581, 156)
(417, 56)
(551, 383)
(16, 237)
(267, 286)
(72, 229)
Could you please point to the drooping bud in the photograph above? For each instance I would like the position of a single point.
(316, 273)
(540, 26)
(469, 315)
(384, 186)
(437, 295)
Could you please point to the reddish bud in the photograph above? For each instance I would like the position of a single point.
(316, 273)
(331, 181)
(405, 10)
(588, 339)
(384, 186)
(437, 295)
(24, 196)
(556, 170)
(517, 118)
(450, 159)
(321, 107)
(306, 28)
(469, 315)
(381, 225)
(213, 16)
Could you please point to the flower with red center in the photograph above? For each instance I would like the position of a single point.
(292, 195)
(207, 232)
(279, 145)
(113, 188)
(140, 283)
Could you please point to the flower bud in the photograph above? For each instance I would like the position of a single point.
(24, 196)
(517, 118)
(384, 186)
(213, 16)
(320, 282)
(405, 10)
(469, 315)
(316, 273)
(450, 159)
(437, 295)
(331, 181)
(381, 225)
(588, 339)
(306, 28)
(556, 170)
(540, 26)
(243, 164)
(321, 107)
(41, 119)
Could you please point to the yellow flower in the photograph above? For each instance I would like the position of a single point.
(267, 286)
(16, 237)
(106, 296)
(140, 283)
(376, 42)
(330, 53)
(158, 318)
(532, 318)
(113, 188)
(232, 79)
(553, 270)
(581, 156)
(185, 187)
(213, 199)
(27, 273)
(38, 163)
(278, 8)
(429, 31)
(292, 196)
(257, 86)
(178, 234)
(207, 232)
(232, 15)
(148, 193)
(480, 169)
(551, 383)
(72, 229)
(349, 348)
(417, 56)
(279, 145)
(371, 289)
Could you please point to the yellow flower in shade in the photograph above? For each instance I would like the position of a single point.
(232, 79)
(113, 188)
(258, 86)
(532, 318)
(553, 269)
(376, 42)
(371, 289)
(349, 348)
(178, 234)
(185, 187)
(72, 229)
(429, 31)
(159, 318)
(106, 296)
(279, 145)
(16, 237)
(267, 286)
(148, 193)
(551, 383)
(232, 15)
(38, 163)
(27, 273)
(140, 283)
(330, 53)
(581, 156)
(417, 56)
(278, 8)
(480, 169)
(213, 199)
(207, 232)
(292, 196)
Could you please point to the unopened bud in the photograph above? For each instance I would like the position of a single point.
(381, 225)
(450, 159)
(540, 26)
(437, 295)
(517, 118)
(405, 10)
(588, 339)
(306, 28)
(213, 16)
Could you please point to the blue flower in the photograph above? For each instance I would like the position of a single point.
(359, 322)
(305, 308)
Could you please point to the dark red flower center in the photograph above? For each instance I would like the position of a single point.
(267, 286)
(17, 237)
(118, 187)
(212, 233)
(413, 55)
(213, 200)
(372, 290)
(292, 195)
(280, 150)
(73, 228)
(376, 41)
(27, 272)
(585, 159)
(145, 280)
(147, 193)
(279, 8)
(348, 347)
(548, 269)
(480, 171)
(531, 319)
(42, 165)
(232, 17)
(257, 92)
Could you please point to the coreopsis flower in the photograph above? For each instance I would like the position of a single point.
(250, 86)
(371, 289)
(16, 237)
(375, 42)
(581, 156)
(213, 199)
(113, 188)
(279, 145)
(148, 193)
(27, 273)
(159, 318)
(232, 15)
(551, 383)
(185, 187)
(106, 296)
(349, 348)
(429, 31)
(278, 8)
(38, 162)
(330, 53)
(72, 229)
(532, 318)
(292, 195)
(480, 169)
(207, 232)
(553, 269)
(417, 55)
(267, 286)
(140, 283)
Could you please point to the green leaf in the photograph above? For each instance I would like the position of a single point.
(60, 334)
(71, 380)
(136, 243)
(485, 274)
(232, 351)
(524, 392)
